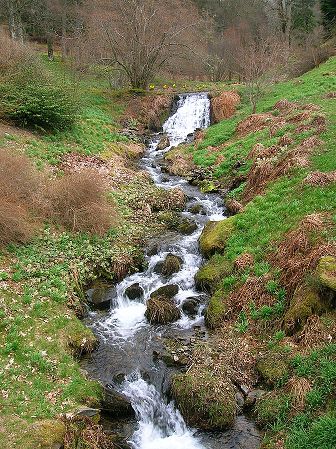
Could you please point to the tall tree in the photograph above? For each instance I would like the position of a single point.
(142, 36)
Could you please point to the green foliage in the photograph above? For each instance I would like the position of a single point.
(311, 434)
(36, 98)
(242, 323)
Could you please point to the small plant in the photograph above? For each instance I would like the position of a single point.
(242, 323)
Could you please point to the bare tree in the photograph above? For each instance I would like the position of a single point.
(260, 64)
(14, 19)
(141, 36)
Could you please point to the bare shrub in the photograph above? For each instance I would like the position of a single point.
(13, 54)
(224, 106)
(20, 182)
(16, 225)
(78, 202)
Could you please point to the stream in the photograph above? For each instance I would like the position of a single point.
(124, 358)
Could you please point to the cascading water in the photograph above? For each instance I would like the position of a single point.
(125, 335)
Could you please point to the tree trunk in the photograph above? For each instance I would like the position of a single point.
(64, 33)
(50, 44)
(14, 20)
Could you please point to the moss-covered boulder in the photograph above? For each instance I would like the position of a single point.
(215, 312)
(161, 310)
(273, 367)
(172, 264)
(186, 226)
(166, 291)
(326, 272)
(204, 400)
(306, 301)
(215, 235)
(134, 291)
(210, 274)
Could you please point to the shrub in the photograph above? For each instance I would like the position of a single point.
(16, 225)
(78, 202)
(30, 94)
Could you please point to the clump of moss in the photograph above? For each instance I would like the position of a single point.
(209, 276)
(326, 272)
(201, 401)
(216, 310)
(215, 235)
(81, 339)
(272, 408)
(273, 367)
(305, 302)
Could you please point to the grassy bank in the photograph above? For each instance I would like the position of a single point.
(42, 280)
(266, 263)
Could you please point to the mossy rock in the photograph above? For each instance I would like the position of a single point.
(208, 186)
(203, 401)
(326, 272)
(215, 312)
(215, 235)
(306, 301)
(80, 339)
(272, 407)
(166, 291)
(48, 434)
(172, 264)
(187, 227)
(273, 367)
(170, 219)
(161, 310)
(209, 276)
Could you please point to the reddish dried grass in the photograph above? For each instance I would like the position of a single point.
(265, 170)
(298, 387)
(253, 290)
(285, 140)
(244, 261)
(234, 207)
(318, 178)
(224, 106)
(285, 106)
(253, 123)
(316, 332)
(78, 202)
(297, 255)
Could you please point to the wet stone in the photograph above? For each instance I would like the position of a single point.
(116, 404)
(134, 291)
(171, 265)
(187, 226)
(190, 306)
(99, 297)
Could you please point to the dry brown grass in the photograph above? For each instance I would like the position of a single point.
(78, 202)
(253, 290)
(243, 261)
(16, 224)
(233, 206)
(285, 106)
(83, 432)
(318, 331)
(255, 122)
(298, 253)
(318, 178)
(224, 106)
(271, 163)
(298, 387)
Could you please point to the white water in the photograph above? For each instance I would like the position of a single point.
(161, 426)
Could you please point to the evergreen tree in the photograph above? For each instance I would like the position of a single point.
(328, 8)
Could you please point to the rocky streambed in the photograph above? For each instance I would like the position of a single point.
(155, 322)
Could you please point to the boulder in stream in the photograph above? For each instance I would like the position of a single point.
(166, 291)
(134, 291)
(187, 226)
(99, 295)
(116, 404)
(164, 143)
(190, 306)
(172, 264)
(161, 310)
